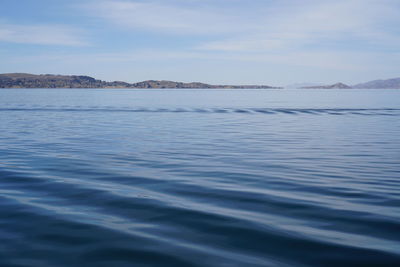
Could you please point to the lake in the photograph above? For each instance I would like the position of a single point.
(120, 177)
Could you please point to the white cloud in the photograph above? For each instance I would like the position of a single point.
(41, 34)
(320, 23)
(246, 26)
(170, 18)
(308, 36)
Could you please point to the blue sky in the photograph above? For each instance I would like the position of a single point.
(275, 42)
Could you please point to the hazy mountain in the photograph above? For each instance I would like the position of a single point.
(380, 84)
(301, 85)
(24, 80)
(333, 86)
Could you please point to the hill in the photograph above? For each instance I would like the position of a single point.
(380, 84)
(25, 80)
(333, 86)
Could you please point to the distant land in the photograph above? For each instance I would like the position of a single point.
(302, 85)
(333, 86)
(25, 80)
(381, 84)
(377, 84)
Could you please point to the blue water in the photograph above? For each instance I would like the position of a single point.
(94, 177)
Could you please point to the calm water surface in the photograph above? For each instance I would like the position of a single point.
(95, 177)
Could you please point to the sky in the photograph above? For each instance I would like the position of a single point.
(271, 42)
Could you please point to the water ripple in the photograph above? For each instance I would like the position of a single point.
(293, 111)
(113, 183)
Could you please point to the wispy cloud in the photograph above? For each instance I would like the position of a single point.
(320, 23)
(177, 18)
(263, 39)
(41, 35)
(254, 27)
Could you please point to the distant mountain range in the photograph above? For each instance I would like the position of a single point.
(333, 86)
(302, 85)
(380, 84)
(377, 84)
(24, 80)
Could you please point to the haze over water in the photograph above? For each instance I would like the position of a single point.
(96, 177)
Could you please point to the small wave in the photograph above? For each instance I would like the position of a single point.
(266, 111)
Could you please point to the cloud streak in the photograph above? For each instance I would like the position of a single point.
(282, 39)
(319, 23)
(340, 34)
(41, 35)
(253, 27)
(170, 18)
